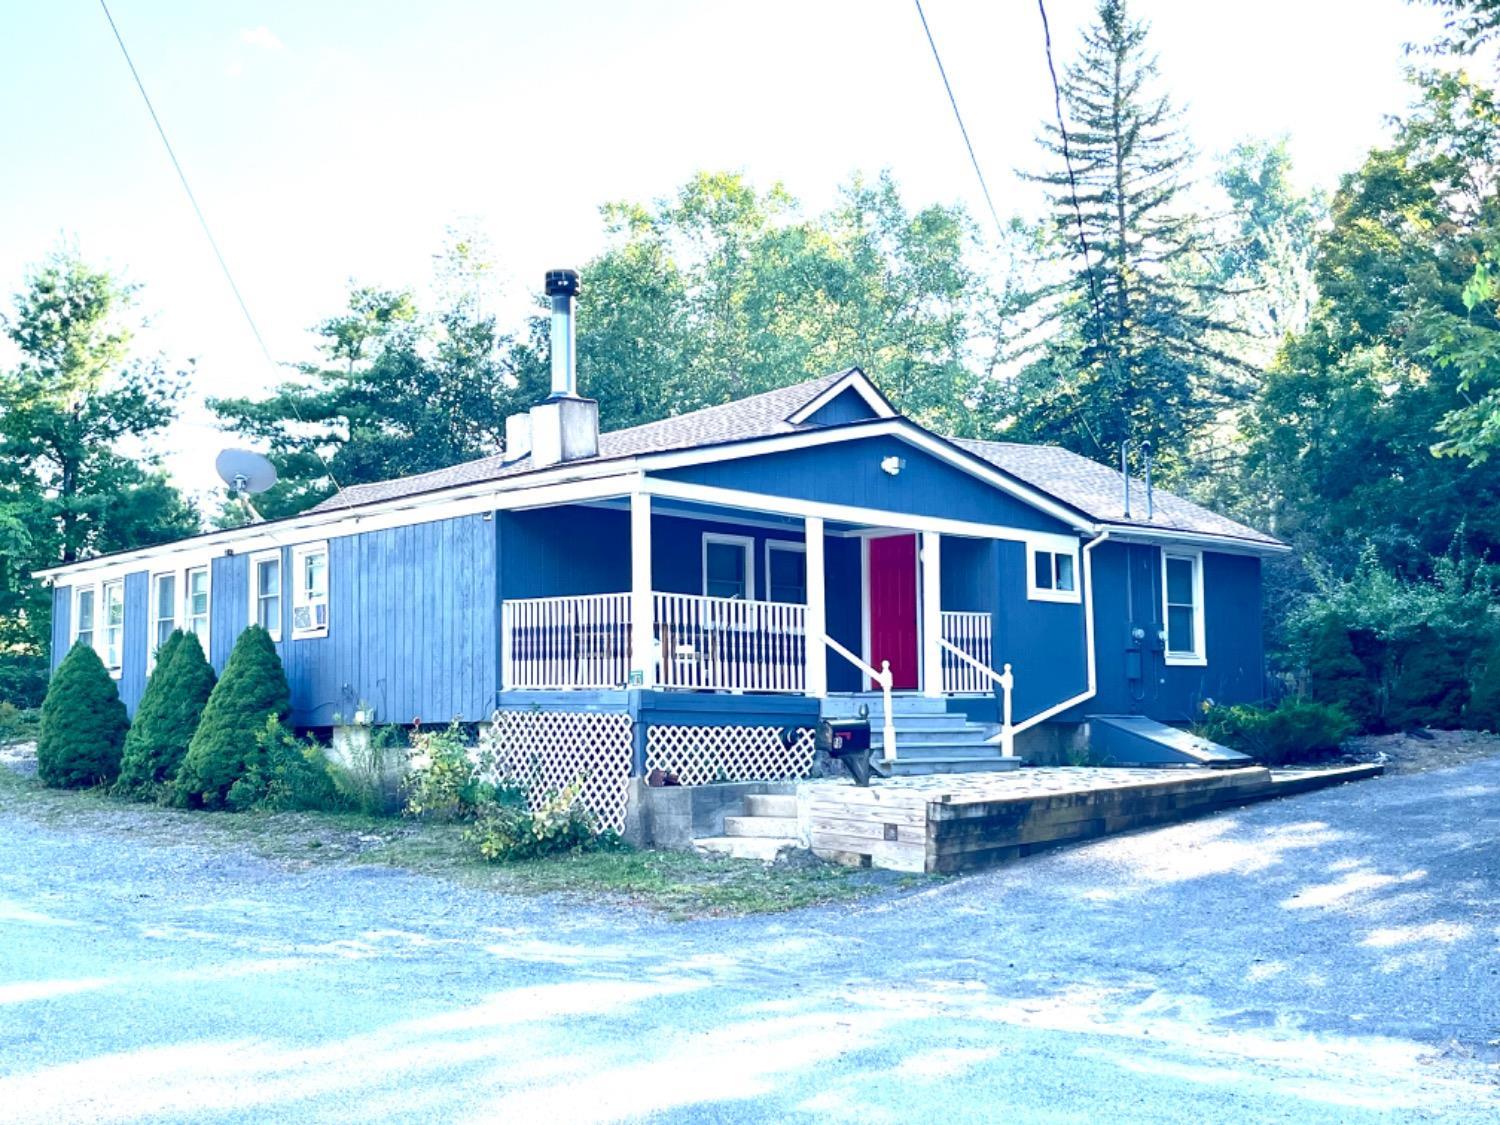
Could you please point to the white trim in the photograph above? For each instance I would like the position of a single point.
(300, 553)
(1054, 594)
(746, 544)
(1198, 658)
(866, 682)
(642, 601)
(929, 613)
(816, 623)
(91, 588)
(153, 610)
(252, 604)
(1227, 545)
(101, 635)
(791, 546)
(854, 380)
(186, 597)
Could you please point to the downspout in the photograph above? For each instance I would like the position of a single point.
(1088, 632)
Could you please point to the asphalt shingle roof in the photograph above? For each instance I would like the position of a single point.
(1093, 489)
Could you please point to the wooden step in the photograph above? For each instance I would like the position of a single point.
(763, 848)
(772, 826)
(771, 804)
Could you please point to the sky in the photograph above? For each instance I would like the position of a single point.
(339, 140)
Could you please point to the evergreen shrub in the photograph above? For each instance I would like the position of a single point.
(285, 773)
(1296, 730)
(83, 724)
(166, 718)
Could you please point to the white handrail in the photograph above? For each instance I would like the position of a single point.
(1006, 681)
(885, 680)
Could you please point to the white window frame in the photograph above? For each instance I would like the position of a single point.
(1055, 548)
(101, 636)
(300, 554)
(1199, 656)
(154, 614)
(791, 546)
(91, 588)
(186, 601)
(745, 543)
(253, 602)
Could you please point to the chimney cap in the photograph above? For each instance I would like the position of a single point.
(562, 283)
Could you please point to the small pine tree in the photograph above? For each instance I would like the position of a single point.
(168, 715)
(1337, 676)
(1484, 688)
(1429, 689)
(253, 689)
(83, 724)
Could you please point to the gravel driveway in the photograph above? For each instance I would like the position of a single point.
(1328, 957)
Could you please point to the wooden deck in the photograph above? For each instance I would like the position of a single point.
(952, 823)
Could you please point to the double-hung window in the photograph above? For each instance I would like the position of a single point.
(113, 598)
(265, 592)
(196, 604)
(1182, 607)
(786, 572)
(1052, 572)
(83, 616)
(310, 590)
(728, 566)
(163, 611)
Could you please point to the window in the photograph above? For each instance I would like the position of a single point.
(83, 616)
(163, 612)
(196, 604)
(786, 572)
(1182, 598)
(114, 626)
(265, 592)
(728, 566)
(1052, 574)
(310, 592)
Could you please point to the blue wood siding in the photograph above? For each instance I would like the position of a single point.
(844, 595)
(228, 607)
(1128, 593)
(1043, 641)
(970, 580)
(849, 472)
(62, 623)
(133, 653)
(846, 406)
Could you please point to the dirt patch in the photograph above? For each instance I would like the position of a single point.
(1417, 752)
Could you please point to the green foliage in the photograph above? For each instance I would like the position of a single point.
(17, 724)
(83, 724)
(369, 774)
(1337, 676)
(1484, 686)
(166, 718)
(443, 780)
(253, 689)
(1296, 730)
(285, 774)
(1429, 688)
(74, 398)
(513, 827)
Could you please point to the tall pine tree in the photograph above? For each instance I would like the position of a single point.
(1124, 342)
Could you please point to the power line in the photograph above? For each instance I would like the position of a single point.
(974, 160)
(209, 234)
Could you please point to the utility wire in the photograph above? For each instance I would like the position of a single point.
(209, 234)
(974, 160)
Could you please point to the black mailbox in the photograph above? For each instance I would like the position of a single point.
(848, 741)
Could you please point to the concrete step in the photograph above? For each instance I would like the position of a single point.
(763, 848)
(949, 748)
(843, 706)
(771, 804)
(938, 736)
(773, 826)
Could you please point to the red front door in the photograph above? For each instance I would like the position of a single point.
(892, 582)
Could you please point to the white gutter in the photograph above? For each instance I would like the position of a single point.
(1088, 630)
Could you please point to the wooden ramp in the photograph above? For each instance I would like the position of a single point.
(947, 824)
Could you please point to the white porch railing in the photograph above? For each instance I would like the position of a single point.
(727, 644)
(581, 641)
(968, 634)
(711, 644)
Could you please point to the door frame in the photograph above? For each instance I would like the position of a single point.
(865, 535)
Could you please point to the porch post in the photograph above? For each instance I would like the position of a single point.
(932, 619)
(817, 609)
(642, 608)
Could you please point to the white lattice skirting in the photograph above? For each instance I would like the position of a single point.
(553, 749)
(703, 755)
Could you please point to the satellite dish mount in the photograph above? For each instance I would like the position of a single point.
(245, 473)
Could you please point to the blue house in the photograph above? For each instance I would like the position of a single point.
(690, 595)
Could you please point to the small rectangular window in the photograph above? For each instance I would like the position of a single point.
(310, 591)
(83, 614)
(196, 603)
(786, 572)
(265, 592)
(728, 566)
(1182, 598)
(1053, 575)
(163, 610)
(114, 626)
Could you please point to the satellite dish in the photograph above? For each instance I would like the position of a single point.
(244, 470)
